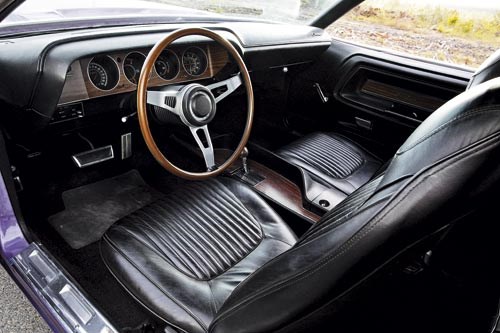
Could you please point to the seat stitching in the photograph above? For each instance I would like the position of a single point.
(196, 242)
(212, 303)
(232, 214)
(180, 241)
(346, 246)
(216, 243)
(198, 320)
(459, 118)
(353, 159)
(344, 219)
(165, 242)
(357, 200)
(180, 248)
(134, 236)
(215, 226)
(355, 144)
(243, 213)
(277, 239)
(250, 211)
(132, 295)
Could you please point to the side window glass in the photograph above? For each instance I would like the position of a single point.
(460, 32)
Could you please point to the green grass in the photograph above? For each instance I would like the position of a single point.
(483, 28)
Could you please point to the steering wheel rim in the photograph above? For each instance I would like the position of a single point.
(142, 100)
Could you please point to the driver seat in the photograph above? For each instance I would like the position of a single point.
(214, 257)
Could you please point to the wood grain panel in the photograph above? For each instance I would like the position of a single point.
(281, 190)
(398, 94)
(274, 186)
(79, 87)
(74, 88)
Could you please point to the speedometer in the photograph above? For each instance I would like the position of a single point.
(194, 61)
(98, 75)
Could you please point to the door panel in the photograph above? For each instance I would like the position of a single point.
(376, 97)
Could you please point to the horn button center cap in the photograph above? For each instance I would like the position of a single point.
(198, 105)
(201, 105)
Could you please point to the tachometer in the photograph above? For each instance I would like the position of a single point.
(132, 66)
(103, 72)
(194, 61)
(167, 65)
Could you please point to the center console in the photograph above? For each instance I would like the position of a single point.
(282, 183)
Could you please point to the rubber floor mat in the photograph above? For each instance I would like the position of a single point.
(91, 209)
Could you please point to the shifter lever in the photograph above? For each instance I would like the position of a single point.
(244, 159)
(250, 177)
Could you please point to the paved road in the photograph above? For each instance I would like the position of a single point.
(16, 312)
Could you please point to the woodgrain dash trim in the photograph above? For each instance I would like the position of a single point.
(78, 86)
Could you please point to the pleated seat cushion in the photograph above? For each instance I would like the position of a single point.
(183, 255)
(332, 160)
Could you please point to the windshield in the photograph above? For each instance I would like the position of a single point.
(57, 14)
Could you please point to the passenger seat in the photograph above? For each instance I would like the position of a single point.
(332, 160)
(335, 161)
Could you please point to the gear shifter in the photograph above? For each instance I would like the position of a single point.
(249, 177)
(244, 160)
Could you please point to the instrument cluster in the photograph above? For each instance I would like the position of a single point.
(104, 70)
(117, 72)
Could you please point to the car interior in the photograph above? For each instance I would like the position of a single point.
(248, 176)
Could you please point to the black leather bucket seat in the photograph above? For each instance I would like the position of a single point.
(215, 257)
(332, 160)
(336, 161)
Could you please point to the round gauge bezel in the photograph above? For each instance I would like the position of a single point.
(206, 60)
(123, 65)
(116, 67)
(178, 62)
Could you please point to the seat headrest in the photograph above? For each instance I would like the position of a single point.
(490, 69)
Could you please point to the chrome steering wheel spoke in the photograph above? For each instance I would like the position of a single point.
(166, 98)
(230, 84)
(206, 148)
(196, 106)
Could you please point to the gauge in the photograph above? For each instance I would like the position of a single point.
(103, 72)
(167, 65)
(98, 75)
(194, 61)
(132, 66)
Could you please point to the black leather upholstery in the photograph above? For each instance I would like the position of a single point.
(490, 69)
(332, 160)
(335, 161)
(183, 255)
(445, 169)
(441, 173)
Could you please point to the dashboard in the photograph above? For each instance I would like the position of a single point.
(118, 72)
(49, 78)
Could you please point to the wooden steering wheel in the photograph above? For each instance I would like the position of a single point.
(194, 104)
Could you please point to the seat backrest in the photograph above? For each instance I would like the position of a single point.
(490, 69)
(442, 172)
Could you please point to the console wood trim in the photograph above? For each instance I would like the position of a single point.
(281, 190)
(274, 186)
